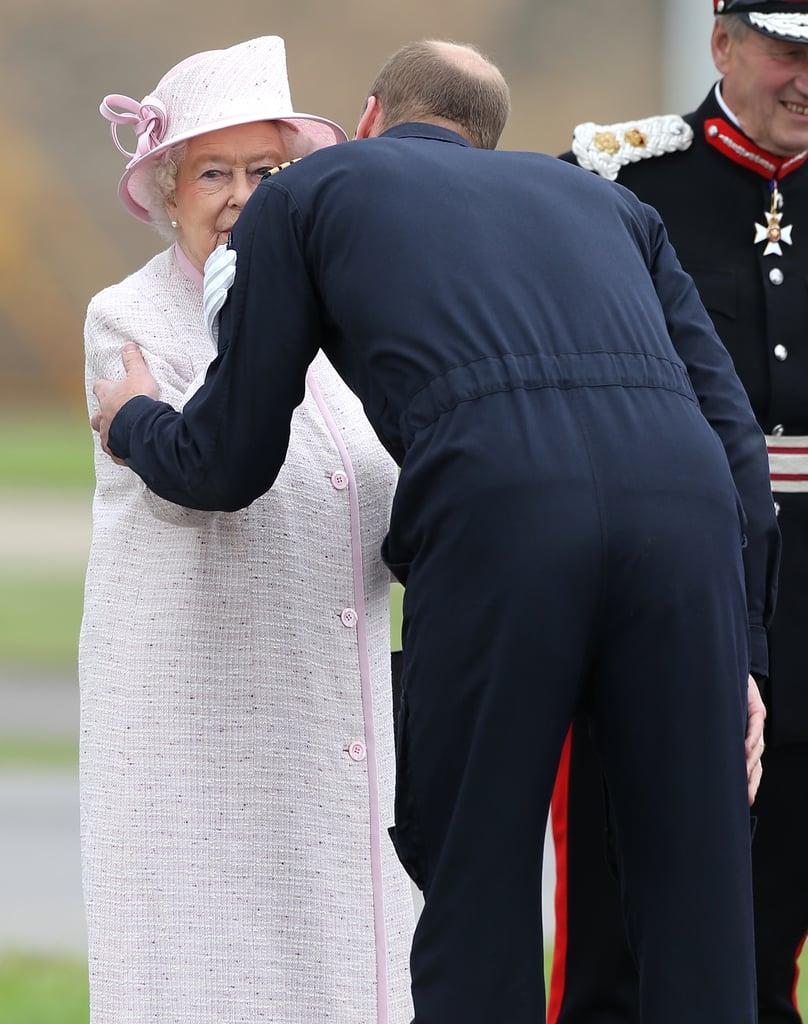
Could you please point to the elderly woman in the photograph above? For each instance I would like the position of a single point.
(236, 751)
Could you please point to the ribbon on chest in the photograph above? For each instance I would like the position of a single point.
(724, 137)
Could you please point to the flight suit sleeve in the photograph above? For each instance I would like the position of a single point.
(227, 446)
(725, 405)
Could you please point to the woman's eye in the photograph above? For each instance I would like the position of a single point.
(262, 172)
(212, 174)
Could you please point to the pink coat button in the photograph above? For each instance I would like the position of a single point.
(349, 617)
(357, 751)
(339, 480)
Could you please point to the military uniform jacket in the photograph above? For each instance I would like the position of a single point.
(710, 205)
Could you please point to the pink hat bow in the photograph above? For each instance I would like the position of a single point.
(148, 119)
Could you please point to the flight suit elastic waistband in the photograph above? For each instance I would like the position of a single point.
(788, 462)
(504, 373)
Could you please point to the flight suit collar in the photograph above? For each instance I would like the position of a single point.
(421, 130)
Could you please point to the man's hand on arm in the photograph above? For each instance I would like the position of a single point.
(112, 395)
(756, 716)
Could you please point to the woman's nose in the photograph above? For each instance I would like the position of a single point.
(241, 189)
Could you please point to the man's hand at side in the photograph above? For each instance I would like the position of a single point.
(756, 716)
(113, 394)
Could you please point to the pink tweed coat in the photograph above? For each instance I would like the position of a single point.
(236, 751)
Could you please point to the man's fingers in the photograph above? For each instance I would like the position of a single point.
(754, 748)
(132, 358)
(755, 744)
(137, 372)
(755, 713)
(754, 781)
(113, 394)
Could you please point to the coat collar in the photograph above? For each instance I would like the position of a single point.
(187, 267)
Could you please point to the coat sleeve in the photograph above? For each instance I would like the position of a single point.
(114, 317)
(725, 405)
(227, 446)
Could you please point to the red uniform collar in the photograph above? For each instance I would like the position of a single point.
(724, 137)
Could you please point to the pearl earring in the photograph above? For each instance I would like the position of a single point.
(173, 224)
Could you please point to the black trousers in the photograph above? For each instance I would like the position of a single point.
(594, 979)
(547, 569)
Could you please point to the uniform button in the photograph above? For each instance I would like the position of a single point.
(357, 751)
(781, 353)
(777, 508)
(339, 480)
(349, 617)
(779, 430)
(776, 275)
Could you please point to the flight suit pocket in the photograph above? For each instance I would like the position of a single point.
(398, 568)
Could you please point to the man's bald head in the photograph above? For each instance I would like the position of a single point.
(444, 83)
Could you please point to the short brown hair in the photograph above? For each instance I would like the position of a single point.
(433, 80)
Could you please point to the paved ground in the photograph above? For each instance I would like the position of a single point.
(40, 881)
(41, 906)
(40, 876)
(38, 705)
(44, 531)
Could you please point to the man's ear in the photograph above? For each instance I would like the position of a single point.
(721, 46)
(370, 123)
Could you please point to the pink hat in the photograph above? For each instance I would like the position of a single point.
(216, 89)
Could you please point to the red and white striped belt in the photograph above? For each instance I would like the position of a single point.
(788, 462)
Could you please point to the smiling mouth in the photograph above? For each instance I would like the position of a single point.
(796, 108)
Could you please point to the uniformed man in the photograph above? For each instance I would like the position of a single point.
(512, 327)
(731, 184)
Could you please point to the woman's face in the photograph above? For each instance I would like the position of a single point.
(216, 177)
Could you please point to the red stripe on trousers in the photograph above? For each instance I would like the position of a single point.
(559, 816)
(797, 972)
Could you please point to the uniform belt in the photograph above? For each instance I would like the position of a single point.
(788, 462)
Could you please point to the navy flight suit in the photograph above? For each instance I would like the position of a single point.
(507, 322)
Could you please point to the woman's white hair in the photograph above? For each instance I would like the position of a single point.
(160, 184)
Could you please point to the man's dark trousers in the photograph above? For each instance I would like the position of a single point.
(595, 564)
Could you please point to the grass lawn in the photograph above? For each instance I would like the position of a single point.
(46, 453)
(39, 619)
(43, 990)
(40, 611)
(49, 752)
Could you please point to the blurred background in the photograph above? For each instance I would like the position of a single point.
(66, 237)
